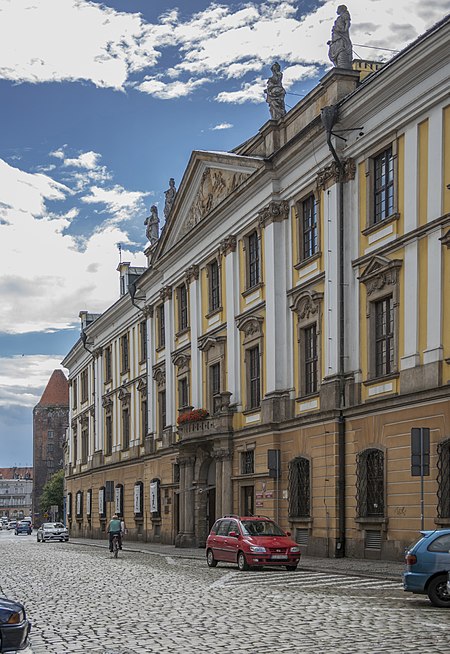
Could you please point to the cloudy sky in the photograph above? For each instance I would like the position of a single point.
(102, 102)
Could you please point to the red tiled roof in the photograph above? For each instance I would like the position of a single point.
(57, 391)
(10, 473)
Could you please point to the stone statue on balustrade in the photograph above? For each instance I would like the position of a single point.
(170, 197)
(152, 224)
(275, 93)
(340, 49)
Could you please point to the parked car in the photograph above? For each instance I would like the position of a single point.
(14, 626)
(428, 565)
(23, 527)
(52, 531)
(250, 541)
(12, 524)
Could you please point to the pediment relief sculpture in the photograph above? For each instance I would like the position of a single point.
(215, 186)
(380, 273)
(159, 375)
(307, 305)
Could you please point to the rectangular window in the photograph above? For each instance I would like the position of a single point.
(253, 260)
(254, 378)
(143, 340)
(50, 435)
(161, 326)
(84, 443)
(214, 286)
(248, 462)
(108, 367)
(144, 419)
(162, 410)
(84, 386)
(74, 393)
(108, 434)
(383, 185)
(384, 337)
(310, 359)
(214, 386)
(125, 428)
(309, 227)
(124, 353)
(183, 393)
(182, 308)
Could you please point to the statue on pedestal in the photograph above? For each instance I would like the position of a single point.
(340, 47)
(152, 223)
(170, 197)
(275, 93)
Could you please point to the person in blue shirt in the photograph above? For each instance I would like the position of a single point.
(114, 529)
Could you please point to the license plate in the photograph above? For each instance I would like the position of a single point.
(279, 557)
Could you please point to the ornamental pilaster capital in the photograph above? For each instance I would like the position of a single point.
(332, 174)
(148, 311)
(192, 273)
(228, 245)
(165, 293)
(276, 211)
(445, 240)
(97, 353)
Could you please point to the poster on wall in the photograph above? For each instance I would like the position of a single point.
(79, 503)
(154, 497)
(101, 501)
(89, 503)
(118, 500)
(138, 499)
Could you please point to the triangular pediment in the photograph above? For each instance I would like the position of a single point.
(210, 182)
(376, 264)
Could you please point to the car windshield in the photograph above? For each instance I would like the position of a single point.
(50, 525)
(261, 528)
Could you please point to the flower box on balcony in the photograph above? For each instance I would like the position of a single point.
(192, 416)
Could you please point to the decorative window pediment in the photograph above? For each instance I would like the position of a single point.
(124, 395)
(205, 343)
(251, 326)
(181, 360)
(107, 402)
(159, 375)
(381, 274)
(141, 386)
(307, 305)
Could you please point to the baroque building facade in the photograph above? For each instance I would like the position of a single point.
(290, 330)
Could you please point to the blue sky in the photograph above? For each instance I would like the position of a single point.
(103, 102)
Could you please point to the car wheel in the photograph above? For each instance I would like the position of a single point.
(242, 562)
(438, 593)
(210, 560)
(291, 568)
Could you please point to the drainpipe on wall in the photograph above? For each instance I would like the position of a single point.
(329, 119)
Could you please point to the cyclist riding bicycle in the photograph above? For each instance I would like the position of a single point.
(115, 529)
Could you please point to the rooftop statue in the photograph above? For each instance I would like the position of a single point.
(340, 47)
(152, 223)
(170, 197)
(275, 93)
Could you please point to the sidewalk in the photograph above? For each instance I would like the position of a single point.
(363, 567)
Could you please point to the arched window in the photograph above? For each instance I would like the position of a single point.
(299, 488)
(370, 483)
(443, 479)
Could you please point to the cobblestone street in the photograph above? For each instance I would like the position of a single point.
(79, 599)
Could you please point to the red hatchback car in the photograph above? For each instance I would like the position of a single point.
(250, 541)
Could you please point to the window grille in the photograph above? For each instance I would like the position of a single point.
(302, 537)
(384, 185)
(299, 488)
(384, 337)
(370, 483)
(373, 539)
(254, 377)
(309, 226)
(310, 359)
(443, 479)
(214, 286)
(248, 462)
(253, 260)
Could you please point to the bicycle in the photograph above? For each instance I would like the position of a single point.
(115, 545)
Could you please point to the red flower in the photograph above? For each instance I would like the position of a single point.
(192, 416)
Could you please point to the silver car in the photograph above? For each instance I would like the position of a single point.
(52, 531)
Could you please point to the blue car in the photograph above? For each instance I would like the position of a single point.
(428, 565)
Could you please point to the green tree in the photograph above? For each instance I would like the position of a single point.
(53, 493)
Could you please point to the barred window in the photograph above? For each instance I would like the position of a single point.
(248, 462)
(214, 286)
(370, 483)
(384, 337)
(309, 227)
(383, 185)
(443, 479)
(253, 260)
(299, 488)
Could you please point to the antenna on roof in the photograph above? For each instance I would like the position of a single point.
(119, 247)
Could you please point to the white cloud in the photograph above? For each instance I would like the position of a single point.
(87, 160)
(63, 277)
(221, 126)
(171, 90)
(23, 378)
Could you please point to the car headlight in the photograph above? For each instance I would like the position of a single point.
(257, 548)
(295, 549)
(15, 618)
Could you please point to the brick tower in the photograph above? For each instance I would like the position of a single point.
(50, 420)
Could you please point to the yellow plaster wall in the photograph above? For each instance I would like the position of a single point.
(422, 172)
